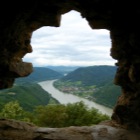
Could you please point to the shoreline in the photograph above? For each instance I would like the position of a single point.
(64, 98)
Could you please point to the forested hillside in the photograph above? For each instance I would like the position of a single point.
(107, 94)
(27, 92)
(94, 83)
(28, 95)
(92, 75)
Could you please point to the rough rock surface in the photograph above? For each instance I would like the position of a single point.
(15, 130)
(121, 18)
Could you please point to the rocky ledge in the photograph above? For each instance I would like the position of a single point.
(17, 130)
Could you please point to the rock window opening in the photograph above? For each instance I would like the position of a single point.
(73, 43)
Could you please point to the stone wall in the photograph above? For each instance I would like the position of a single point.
(20, 19)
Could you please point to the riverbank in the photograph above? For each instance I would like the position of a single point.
(69, 98)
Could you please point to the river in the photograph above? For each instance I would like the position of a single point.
(64, 98)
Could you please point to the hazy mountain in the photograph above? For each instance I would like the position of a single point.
(63, 69)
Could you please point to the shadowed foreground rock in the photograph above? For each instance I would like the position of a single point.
(16, 130)
(121, 18)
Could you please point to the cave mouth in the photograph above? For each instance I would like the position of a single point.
(74, 43)
(124, 33)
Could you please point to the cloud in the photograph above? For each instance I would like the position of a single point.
(73, 43)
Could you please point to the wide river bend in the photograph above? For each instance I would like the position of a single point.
(64, 98)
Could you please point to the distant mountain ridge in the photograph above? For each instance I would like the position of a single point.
(92, 75)
(63, 69)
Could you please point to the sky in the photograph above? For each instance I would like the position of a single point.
(74, 43)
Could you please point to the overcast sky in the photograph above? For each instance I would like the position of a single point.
(74, 43)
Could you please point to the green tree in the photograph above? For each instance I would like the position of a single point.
(79, 115)
(50, 115)
(76, 114)
(97, 117)
(13, 110)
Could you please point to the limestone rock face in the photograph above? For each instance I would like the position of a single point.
(19, 20)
